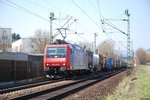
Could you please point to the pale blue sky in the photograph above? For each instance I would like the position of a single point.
(25, 23)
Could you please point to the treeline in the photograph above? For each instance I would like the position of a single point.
(143, 56)
(107, 47)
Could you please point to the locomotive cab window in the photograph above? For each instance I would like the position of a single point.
(61, 50)
(51, 51)
(56, 52)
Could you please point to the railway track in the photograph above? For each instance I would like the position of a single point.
(21, 87)
(21, 84)
(13, 88)
(62, 91)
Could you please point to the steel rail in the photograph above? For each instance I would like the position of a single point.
(60, 92)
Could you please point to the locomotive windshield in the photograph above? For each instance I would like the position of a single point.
(56, 52)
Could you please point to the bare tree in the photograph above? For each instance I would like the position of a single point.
(39, 41)
(4, 41)
(117, 54)
(148, 58)
(107, 48)
(85, 45)
(141, 55)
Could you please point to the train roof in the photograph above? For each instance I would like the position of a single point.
(57, 45)
(77, 47)
(72, 46)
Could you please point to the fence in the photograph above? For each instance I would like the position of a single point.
(18, 67)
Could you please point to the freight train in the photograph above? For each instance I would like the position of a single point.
(70, 58)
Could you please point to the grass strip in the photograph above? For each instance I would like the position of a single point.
(134, 87)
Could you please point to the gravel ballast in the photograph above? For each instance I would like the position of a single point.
(99, 90)
(11, 95)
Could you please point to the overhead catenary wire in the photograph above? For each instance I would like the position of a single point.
(46, 8)
(98, 11)
(59, 10)
(39, 5)
(100, 15)
(51, 5)
(116, 17)
(93, 6)
(29, 12)
(111, 19)
(46, 1)
(82, 38)
(85, 13)
(113, 26)
(15, 7)
(23, 9)
(80, 23)
(62, 27)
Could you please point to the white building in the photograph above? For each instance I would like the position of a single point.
(22, 45)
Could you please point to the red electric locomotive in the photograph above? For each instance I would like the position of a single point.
(64, 58)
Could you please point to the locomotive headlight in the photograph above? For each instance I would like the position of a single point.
(47, 64)
(63, 64)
